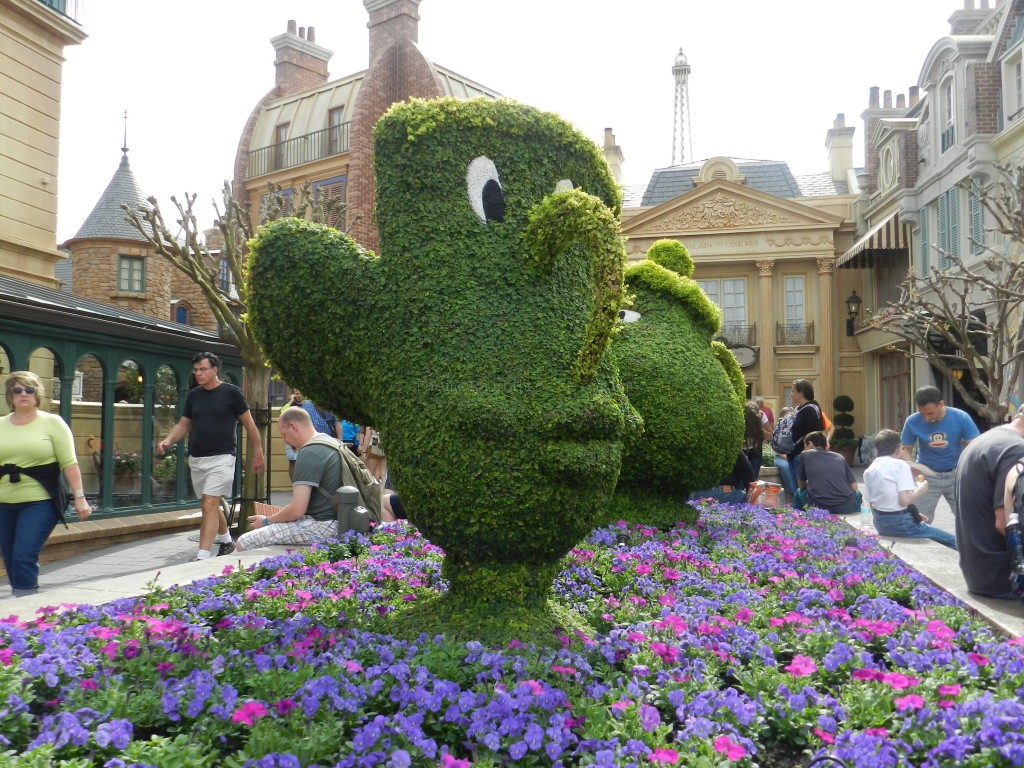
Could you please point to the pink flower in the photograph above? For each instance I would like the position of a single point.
(825, 736)
(249, 713)
(729, 748)
(802, 665)
(899, 681)
(6, 654)
(642, 569)
(88, 685)
(866, 674)
(284, 706)
(978, 659)
(620, 705)
(664, 755)
(743, 615)
(563, 670)
(949, 690)
(883, 732)
(910, 701)
(447, 761)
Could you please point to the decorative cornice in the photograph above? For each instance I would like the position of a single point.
(721, 211)
(791, 242)
(765, 267)
(826, 265)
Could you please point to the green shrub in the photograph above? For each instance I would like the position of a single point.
(688, 389)
(474, 343)
(842, 435)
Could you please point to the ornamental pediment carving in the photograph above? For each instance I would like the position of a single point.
(721, 211)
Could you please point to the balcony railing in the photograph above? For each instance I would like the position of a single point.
(733, 333)
(299, 151)
(948, 138)
(68, 8)
(794, 333)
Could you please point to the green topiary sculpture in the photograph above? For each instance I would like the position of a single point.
(688, 389)
(474, 343)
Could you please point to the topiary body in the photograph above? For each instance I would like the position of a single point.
(475, 343)
(688, 389)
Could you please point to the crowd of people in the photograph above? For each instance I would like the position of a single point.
(939, 453)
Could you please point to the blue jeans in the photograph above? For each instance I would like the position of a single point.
(24, 528)
(904, 524)
(785, 477)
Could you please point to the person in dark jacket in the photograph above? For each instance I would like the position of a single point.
(733, 488)
(808, 419)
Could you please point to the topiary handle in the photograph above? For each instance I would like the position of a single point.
(557, 222)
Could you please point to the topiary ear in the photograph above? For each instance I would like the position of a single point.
(671, 254)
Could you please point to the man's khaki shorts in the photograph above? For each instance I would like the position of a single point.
(212, 475)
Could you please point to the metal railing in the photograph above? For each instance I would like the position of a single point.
(948, 138)
(734, 333)
(68, 8)
(794, 333)
(299, 151)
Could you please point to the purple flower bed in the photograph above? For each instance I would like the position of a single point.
(755, 638)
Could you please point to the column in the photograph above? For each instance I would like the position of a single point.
(823, 331)
(766, 329)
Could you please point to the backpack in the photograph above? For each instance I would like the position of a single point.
(355, 474)
(782, 437)
(1014, 535)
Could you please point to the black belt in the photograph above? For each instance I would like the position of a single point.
(884, 512)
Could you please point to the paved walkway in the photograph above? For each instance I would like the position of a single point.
(129, 569)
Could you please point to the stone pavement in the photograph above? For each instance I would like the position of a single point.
(127, 570)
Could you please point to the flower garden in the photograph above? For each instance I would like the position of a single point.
(752, 638)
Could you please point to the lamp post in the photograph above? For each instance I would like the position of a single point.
(852, 310)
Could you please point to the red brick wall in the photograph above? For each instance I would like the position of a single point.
(399, 73)
(982, 99)
(397, 21)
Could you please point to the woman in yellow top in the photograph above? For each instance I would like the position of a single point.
(35, 447)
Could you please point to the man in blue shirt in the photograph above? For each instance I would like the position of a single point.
(940, 432)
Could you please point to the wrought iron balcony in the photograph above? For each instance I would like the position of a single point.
(734, 333)
(794, 333)
(299, 151)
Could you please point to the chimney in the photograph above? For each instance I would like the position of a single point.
(839, 142)
(873, 97)
(915, 95)
(300, 63)
(613, 154)
(390, 22)
(901, 101)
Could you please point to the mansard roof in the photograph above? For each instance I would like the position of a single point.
(770, 176)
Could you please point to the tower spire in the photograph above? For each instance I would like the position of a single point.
(124, 146)
(682, 149)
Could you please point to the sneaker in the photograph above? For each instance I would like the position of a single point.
(225, 548)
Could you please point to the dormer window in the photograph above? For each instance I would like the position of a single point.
(947, 114)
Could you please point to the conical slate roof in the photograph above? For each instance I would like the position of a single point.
(107, 220)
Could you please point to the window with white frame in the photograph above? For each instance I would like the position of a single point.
(730, 294)
(131, 274)
(794, 299)
(1013, 74)
(947, 114)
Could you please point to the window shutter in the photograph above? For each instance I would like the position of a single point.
(926, 247)
(977, 225)
(954, 222)
(943, 231)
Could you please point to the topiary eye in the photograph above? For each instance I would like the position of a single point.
(484, 189)
(629, 316)
(563, 185)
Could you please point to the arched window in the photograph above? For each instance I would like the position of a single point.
(947, 114)
(181, 314)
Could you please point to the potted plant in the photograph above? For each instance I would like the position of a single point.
(843, 441)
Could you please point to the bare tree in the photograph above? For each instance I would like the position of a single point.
(964, 316)
(188, 252)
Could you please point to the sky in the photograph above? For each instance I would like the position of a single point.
(767, 80)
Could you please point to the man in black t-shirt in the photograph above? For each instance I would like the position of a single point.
(212, 409)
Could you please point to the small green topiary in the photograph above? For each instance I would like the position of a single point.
(475, 343)
(842, 436)
(688, 389)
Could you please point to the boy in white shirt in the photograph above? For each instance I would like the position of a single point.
(890, 489)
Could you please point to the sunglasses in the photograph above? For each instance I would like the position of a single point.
(26, 390)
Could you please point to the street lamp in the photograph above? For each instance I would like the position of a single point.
(852, 310)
